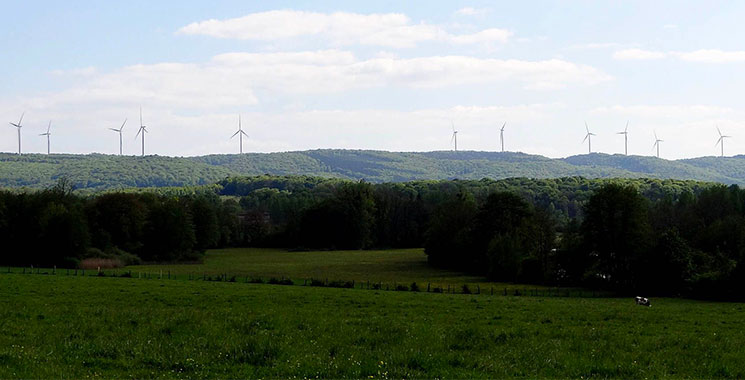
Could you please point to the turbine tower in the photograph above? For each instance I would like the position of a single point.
(454, 139)
(143, 130)
(120, 135)
(625, 134)
(47, 135)
(501, 135)
(588, 137)
(657, 142)
(18, 127)
(721, 140)
(240, 134)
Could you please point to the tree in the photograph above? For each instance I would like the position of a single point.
(617, 232)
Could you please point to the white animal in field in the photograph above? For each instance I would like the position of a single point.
(643, 301)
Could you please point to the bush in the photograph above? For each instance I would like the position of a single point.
(402, 288)
(125, 257)
(100, 263)
(414, 287)
(341, 284)
(282, 281)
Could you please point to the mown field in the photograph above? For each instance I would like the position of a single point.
(402, 266)
(76, 327)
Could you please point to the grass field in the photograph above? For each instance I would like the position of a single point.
(387, 266)
(76, 327)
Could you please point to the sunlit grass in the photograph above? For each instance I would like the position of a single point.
(388, 266)
(76, 327)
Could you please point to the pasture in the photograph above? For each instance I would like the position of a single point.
(75, 327)
(386, 266)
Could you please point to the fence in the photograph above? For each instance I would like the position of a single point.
(474, 289)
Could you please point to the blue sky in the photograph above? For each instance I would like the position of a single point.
(375, 75)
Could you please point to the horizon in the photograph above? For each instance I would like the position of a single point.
(135, 155)
(389, 77)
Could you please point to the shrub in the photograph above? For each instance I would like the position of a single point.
(414, 287)
(95, 263)
(341, 284)
(282, 281)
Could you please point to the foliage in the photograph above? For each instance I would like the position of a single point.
(97, 172)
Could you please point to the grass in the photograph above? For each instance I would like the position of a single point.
(75, 327)
(387, 266)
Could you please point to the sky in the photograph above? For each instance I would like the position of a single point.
(384, 75)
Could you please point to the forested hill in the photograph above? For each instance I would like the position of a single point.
(98, 172)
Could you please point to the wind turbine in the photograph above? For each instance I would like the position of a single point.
(588, 137)
(454, 139)
(625, 134)
(120, 134)
(501, 135)
(657, 142)
(19, 126)
(721, 140)
(47, 134)
(143, 130)
(240, 134)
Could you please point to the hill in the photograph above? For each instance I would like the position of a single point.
(100, 172)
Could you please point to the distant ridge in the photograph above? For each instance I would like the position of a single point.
(100, 172)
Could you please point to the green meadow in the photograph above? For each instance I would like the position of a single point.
(76, 327)
(386, 266)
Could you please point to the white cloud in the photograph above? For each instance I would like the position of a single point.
(394, 30)
(670, 26)
(703, 55)
(676, 111)
(638, 54)
(712, 56)
(232, 79)
(471, 11)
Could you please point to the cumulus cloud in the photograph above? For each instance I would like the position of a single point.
(393, 30)
(232, 79)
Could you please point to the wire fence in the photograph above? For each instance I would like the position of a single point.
(424, 287)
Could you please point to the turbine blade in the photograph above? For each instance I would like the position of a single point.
(21, 119)
(627, 127)
(138, 133)
(235, 134)
(114, 129)
(586, 136)
(140, 116)
(239, 122)
(49, 126)
(587, 128)
(125, 122)
(244, 133)
(503, 125)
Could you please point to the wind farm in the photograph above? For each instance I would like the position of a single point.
(351, 234)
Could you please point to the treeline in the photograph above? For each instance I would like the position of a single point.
(692, 245)
(57, 227)
(657, 236)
